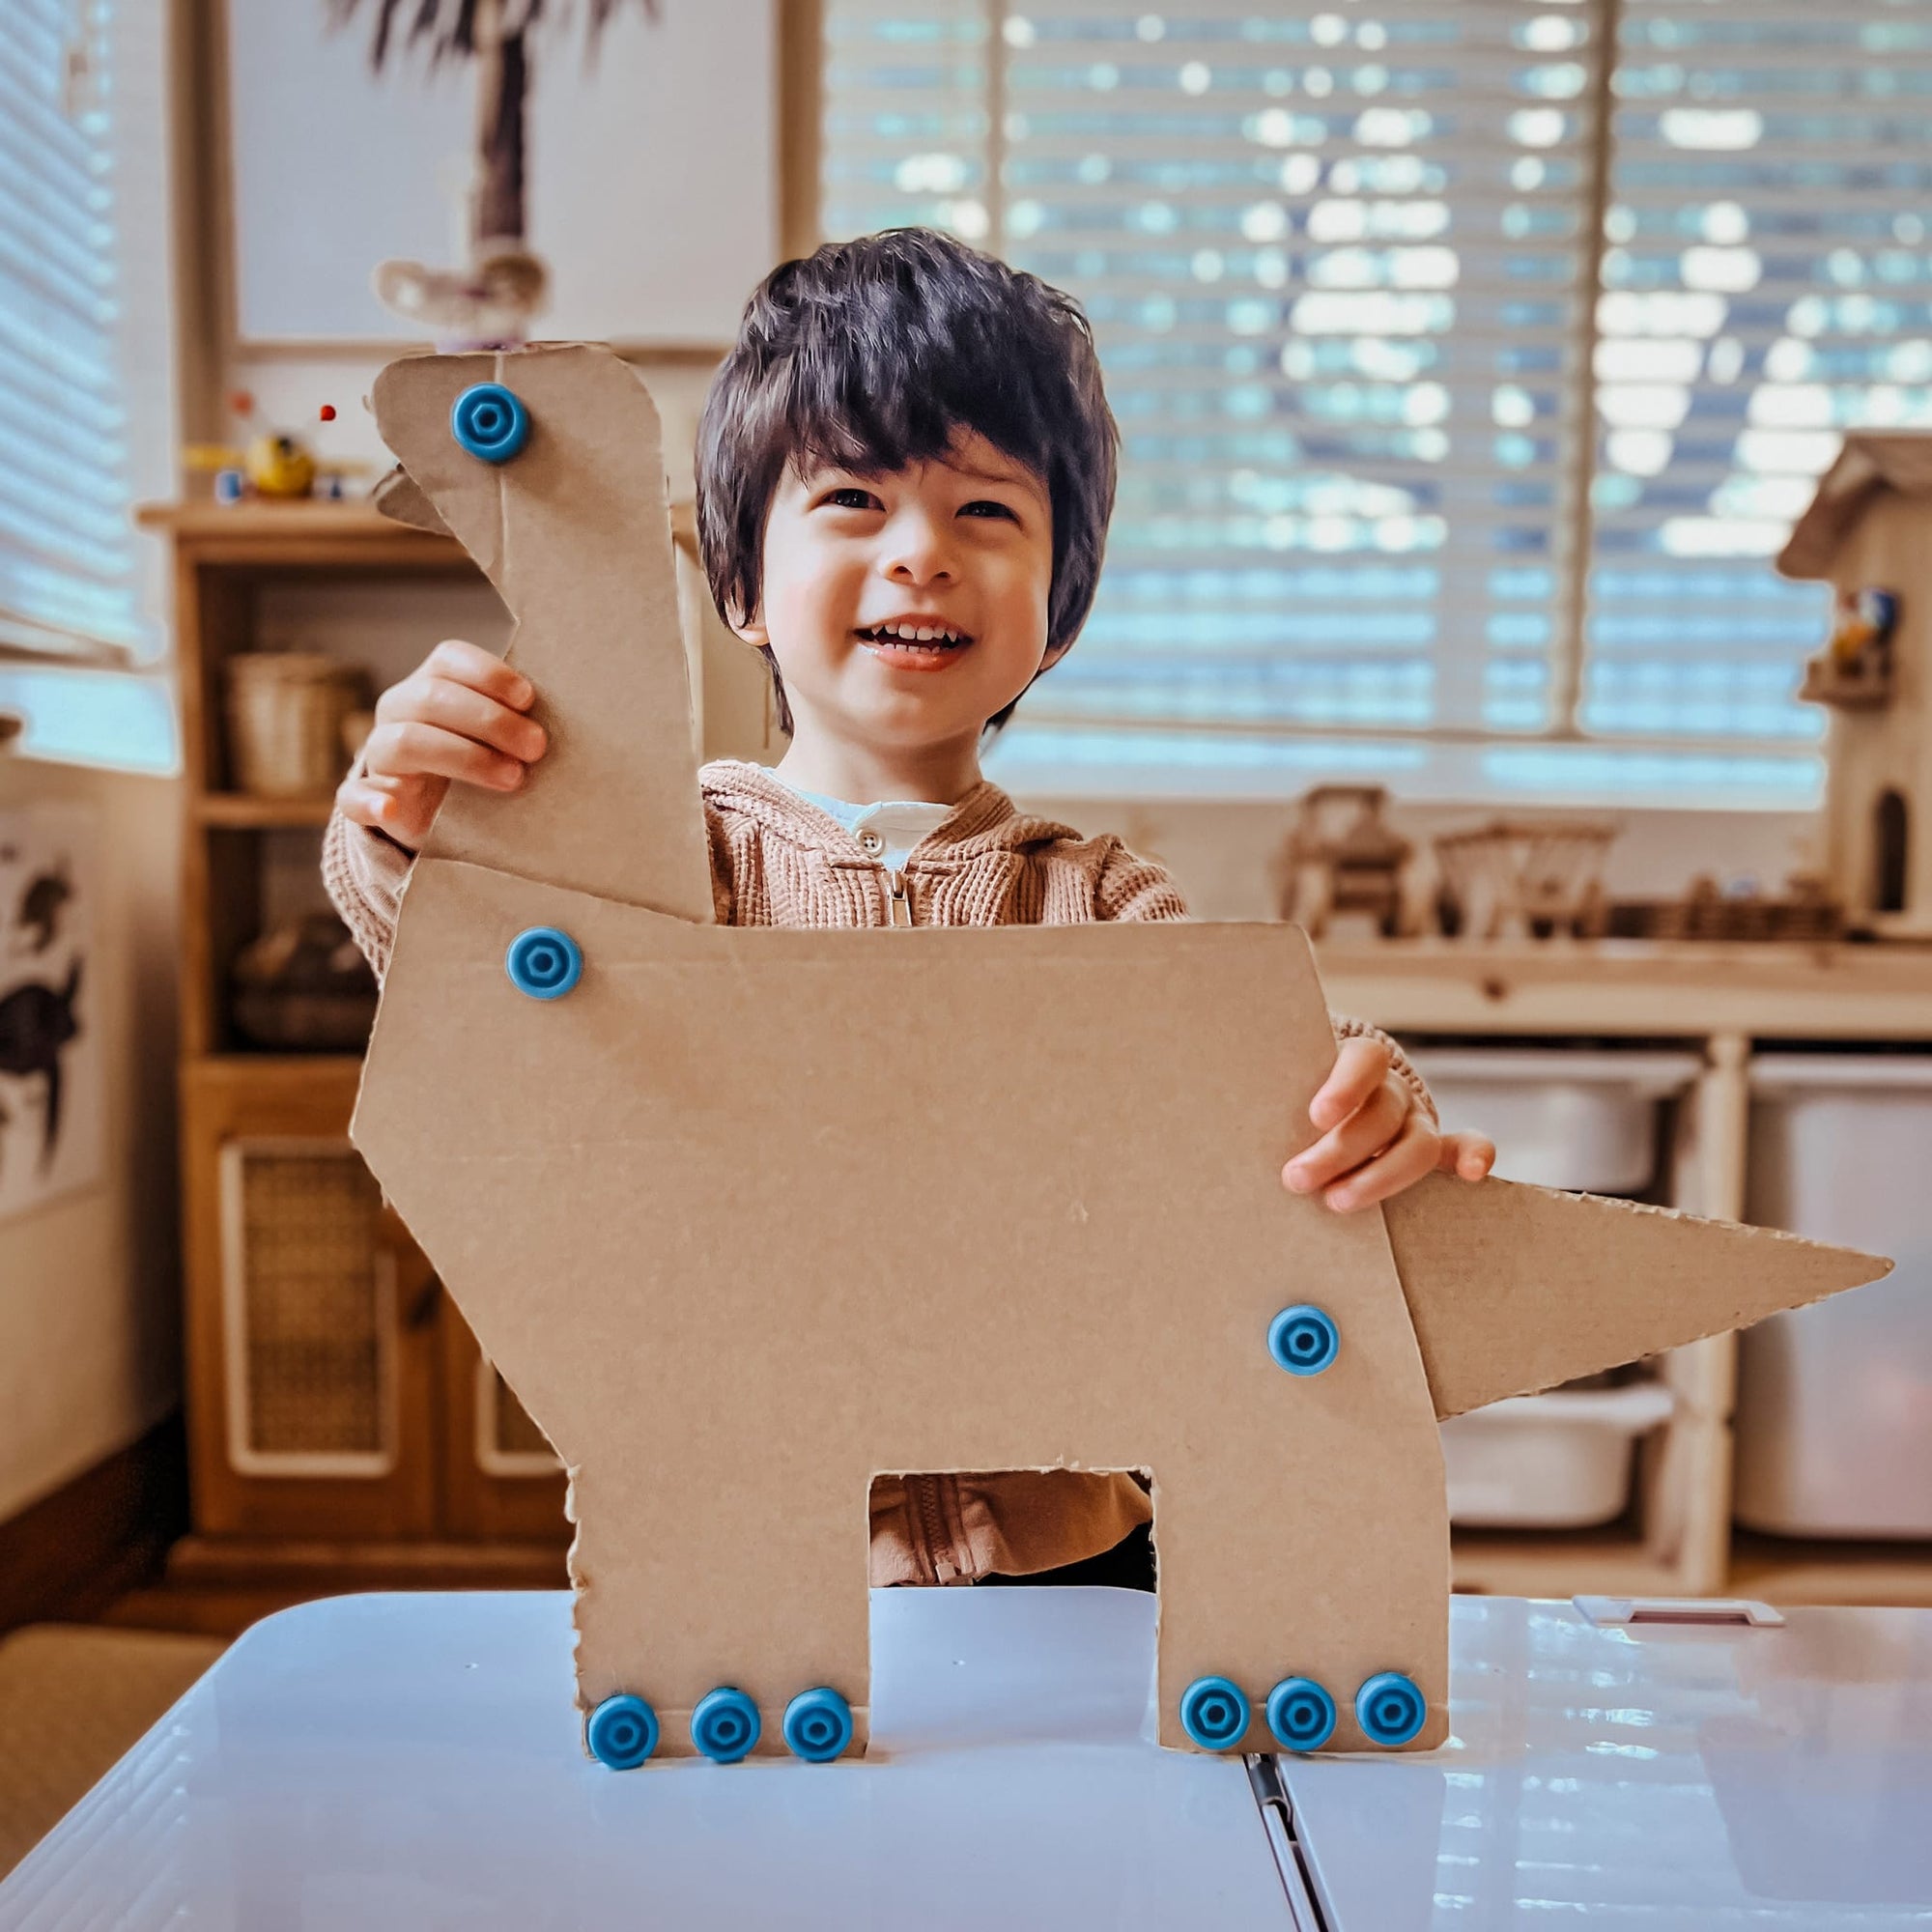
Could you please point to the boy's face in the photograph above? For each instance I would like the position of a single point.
(960, 545)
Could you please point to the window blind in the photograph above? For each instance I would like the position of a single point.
(1765, 283)
(85, 386)
(1470, 358)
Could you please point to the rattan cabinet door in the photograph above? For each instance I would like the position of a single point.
(311, 1323)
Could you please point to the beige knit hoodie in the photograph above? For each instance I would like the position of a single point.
(777, 859)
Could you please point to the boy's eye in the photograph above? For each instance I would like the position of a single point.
(852, 498)
(984, 507)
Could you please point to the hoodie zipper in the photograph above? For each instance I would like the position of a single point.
(925, 1493)
(897, 898)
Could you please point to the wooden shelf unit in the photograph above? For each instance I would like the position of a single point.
(1725, 1002)
(422, 1507)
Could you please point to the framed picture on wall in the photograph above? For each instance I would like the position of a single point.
(649, 181)
(53, 1092)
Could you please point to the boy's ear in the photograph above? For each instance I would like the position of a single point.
(1054, 654)
(751, 630)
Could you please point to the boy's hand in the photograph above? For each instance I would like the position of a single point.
(458, 715)
(1376, 1139)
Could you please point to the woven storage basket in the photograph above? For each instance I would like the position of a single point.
(285, 716)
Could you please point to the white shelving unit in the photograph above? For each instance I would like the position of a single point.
(1725, 1004)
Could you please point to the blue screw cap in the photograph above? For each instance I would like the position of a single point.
(544, 962)
(1214, 1712)
(725, 1724)
(1303, 1339)
(1301, 1713)
(622, 1732)
(1390, 1709)
(817, 1726)
(490, 421)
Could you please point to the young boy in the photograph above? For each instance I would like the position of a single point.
(905, 469)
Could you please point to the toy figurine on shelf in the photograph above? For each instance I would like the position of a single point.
(1343, 856)
(269, 463)
(1854, 666)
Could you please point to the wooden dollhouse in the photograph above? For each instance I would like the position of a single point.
(1868, 534)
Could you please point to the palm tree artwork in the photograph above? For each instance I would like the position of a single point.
(490, 301)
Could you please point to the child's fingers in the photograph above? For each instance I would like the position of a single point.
(1362, 1066)
(471, 714)
(1401, 1164)
(409, 749)
(481, 670)
(1467, 1156)
(402, 809)
(1366, 1131)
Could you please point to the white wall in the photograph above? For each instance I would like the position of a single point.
(89, 1296)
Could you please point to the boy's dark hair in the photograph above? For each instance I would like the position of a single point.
(872, 355)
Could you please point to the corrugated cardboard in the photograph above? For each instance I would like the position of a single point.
(750, 1217)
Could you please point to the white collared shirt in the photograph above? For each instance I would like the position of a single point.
(887, 830)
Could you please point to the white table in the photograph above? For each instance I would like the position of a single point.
(413, 1761)
(1649, 1778)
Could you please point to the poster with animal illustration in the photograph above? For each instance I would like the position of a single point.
(51, 1069)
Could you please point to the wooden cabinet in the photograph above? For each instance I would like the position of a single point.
(343, 1427)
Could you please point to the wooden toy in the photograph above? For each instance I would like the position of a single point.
(1864, 533)
(1344, 856)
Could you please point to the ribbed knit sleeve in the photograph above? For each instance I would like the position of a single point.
(1348, 1029)
(1128, 886)
(365, 872)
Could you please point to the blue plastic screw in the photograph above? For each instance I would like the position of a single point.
(1301, 1713)
(622, 1732)
(1390, 1709)
(544, 962)
(725, 1724)
(1214, 1712)
(817, 1724)
(490, 421)
(1303, 1339)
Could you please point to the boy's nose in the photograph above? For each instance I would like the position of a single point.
(916, 552)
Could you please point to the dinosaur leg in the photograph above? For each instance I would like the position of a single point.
(713, 1607)
(1280, 1570)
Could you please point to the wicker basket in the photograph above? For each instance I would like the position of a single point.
(285, 717)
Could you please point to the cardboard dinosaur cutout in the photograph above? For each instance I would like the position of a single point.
(750, 1216)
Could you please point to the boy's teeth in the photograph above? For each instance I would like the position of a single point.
(913, 634)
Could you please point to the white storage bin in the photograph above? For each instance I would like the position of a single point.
(1833, 1426)
(1582, 1120)
(1560, 1461)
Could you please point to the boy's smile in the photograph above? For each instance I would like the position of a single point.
(905, 610)
(916, 640)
